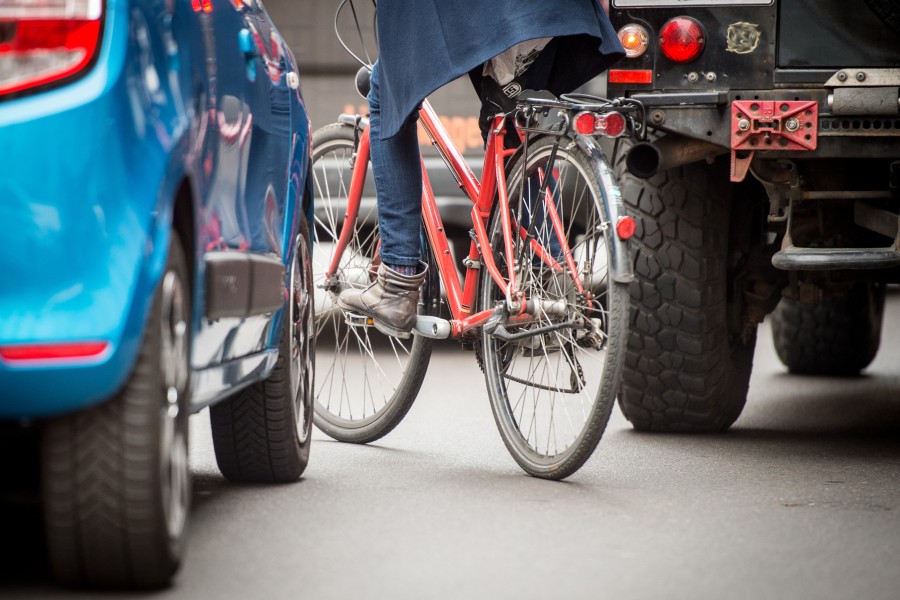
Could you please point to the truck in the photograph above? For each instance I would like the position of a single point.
(768, 184)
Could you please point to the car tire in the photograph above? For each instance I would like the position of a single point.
(264, 433)
(839, 335)
(115, 478)
(684, 370)
(888, 11)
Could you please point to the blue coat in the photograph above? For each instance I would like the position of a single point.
(424, 44)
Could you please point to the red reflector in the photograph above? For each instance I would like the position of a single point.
(681, 39)
(625, 76)
(585, 123)
(615, 124)
(62, 351)
(626, 227)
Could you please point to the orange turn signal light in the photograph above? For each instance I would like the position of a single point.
(634, 39)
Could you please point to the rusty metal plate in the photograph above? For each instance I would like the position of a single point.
(774, 125)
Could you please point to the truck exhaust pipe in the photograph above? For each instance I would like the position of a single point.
(646, 159)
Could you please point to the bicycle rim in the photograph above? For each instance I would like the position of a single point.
(365, 381)
(552, 393)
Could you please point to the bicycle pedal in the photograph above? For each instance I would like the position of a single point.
(358, 320)
(432, 327)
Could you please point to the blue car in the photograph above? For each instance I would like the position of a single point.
(155, 260)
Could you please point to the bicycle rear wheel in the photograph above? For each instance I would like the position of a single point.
(552, 393)
(366, 381)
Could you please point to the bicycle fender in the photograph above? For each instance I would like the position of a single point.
(613, 209)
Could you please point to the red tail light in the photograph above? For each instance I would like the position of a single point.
(47, 41)
(584, 123)
(681, 39)
(63, 351)
(611, 124)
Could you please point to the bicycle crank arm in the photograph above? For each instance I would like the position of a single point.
(501, 332)
(432, 327)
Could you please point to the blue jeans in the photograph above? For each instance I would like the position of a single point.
(398, 184)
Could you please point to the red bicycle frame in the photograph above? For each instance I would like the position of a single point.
(461, 296)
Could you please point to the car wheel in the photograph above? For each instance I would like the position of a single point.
(263, 434)
(116, 480)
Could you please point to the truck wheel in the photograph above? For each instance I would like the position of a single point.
(839, 335)
(684, 370)
(115, 477)
(263, 434)
(888, 11)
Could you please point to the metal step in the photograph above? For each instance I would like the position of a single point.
(793, 258)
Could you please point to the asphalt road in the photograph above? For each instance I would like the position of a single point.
(801, 499)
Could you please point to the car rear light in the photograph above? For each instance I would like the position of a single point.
(681, 39)
(611, 124)
(635, 40)
(46, 41)
(54, 352)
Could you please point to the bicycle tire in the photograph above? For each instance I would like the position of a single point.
(366, 382)
(570, 377)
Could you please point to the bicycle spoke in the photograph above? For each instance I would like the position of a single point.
(548, 390)
(365, 380)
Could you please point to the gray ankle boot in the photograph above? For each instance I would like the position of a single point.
(390, 301)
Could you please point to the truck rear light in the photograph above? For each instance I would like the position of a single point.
(611, 124)
(681, 39)
(635, 40)
(46, 41)
(642, 76)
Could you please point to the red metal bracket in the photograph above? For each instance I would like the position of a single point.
(770, 125)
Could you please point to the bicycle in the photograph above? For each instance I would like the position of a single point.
(544, 298)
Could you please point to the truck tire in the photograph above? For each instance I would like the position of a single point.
(839, 335)
(684, 370)
(888, 11)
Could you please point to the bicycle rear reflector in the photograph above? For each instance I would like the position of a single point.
(626, 227)
(681, 39)
(607, 124)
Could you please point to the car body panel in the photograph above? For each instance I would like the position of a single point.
(92, 171)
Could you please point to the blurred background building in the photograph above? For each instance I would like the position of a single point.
(327, 71)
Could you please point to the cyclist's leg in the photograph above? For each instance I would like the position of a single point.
(392, 298)
(398, 184)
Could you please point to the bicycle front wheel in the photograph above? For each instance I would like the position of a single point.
(552, 392)
(366, 381)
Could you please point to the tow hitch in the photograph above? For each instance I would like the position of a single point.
(770, 125)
